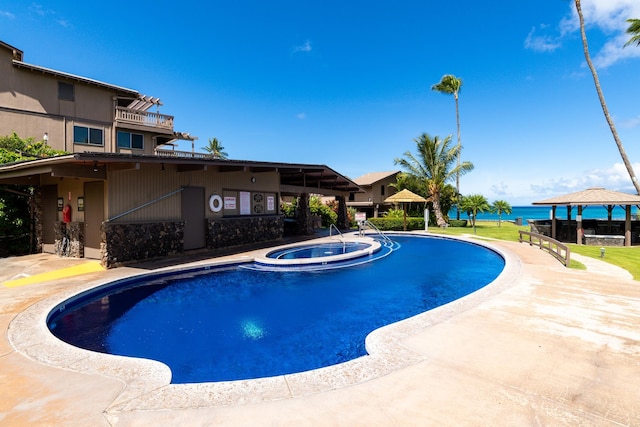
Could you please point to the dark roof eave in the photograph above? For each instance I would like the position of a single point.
(79, 79)
(318, 175)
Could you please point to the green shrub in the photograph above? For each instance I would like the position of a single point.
(457, 222)
(351, 214)
(393, 213)
(397, 224)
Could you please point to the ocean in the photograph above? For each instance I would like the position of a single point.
(544, 212)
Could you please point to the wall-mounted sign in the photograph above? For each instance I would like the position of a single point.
(60, 204)
(245, 203)
(230, 203)
(80, 204)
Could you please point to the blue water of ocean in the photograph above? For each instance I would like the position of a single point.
(544, 212)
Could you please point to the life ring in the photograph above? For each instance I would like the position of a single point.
(215, 203)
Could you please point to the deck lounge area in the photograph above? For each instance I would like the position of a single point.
(535, 350)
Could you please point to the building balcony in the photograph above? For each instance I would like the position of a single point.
(143, 118)
(183, 154)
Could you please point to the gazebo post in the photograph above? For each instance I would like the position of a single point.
(627, 226)
(569, 208)
(404, 206)
(579, 231)
(553, 222)
(609, 217)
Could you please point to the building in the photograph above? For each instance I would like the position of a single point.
(375, 189)
(122, 193)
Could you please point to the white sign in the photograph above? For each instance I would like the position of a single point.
(245, 203)
(361, 216)
(230, 202)
(271, 203)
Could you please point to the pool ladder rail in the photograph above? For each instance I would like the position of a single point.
(384, 237)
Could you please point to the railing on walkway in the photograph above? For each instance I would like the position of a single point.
(559, 250)
(145, 118)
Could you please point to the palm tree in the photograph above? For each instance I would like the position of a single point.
(500, 207)
(451, 85)
(472, 205)
(216, 149)
(433, 167)
(634, 30)
(614, 132)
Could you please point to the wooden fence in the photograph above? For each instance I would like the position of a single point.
(559, 250)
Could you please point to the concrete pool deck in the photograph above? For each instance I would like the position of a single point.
(548, 346)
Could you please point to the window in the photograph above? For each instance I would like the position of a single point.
(352, 197)
(65, 91)
(87, 135)
(382, 190)
(130, 140)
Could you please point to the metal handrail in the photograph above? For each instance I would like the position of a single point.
(332, 226)
(384, 236)
(145, 205)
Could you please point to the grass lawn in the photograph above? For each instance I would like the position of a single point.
(625, 257)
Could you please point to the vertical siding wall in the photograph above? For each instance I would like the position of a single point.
(129, 189)
(156, 230)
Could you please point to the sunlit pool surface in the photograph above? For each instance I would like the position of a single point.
(235, 323)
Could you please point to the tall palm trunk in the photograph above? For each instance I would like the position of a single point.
(455, 97)
(437, 208)
(623, 154)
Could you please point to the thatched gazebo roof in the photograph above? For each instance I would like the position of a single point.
(405, 196)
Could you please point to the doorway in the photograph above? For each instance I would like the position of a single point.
(193, 215)
(49, 217)
(93, 218)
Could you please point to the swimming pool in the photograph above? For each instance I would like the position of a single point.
(234, 323)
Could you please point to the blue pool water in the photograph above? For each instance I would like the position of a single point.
(238, 323)
(318, 250)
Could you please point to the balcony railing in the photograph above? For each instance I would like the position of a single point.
(145, 118)
(183, 154)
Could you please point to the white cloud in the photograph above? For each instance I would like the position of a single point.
(541, 43)
(631, 123)
(39, 10)
(306, 47)
(501, 189)
(614, 178)
(606, 16)
(6, 14)
(301, 116)
(523, 189)
(63, 23)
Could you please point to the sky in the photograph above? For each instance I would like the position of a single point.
(348, 84)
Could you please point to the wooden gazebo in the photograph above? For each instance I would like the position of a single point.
(593, 197)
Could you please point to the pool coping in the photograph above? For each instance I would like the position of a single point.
(146, 383)
(374, 246)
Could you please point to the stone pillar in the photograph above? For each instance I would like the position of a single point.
(36, 227)
(343, 218)
(303, 215)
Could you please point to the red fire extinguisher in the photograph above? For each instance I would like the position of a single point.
(66, 214)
